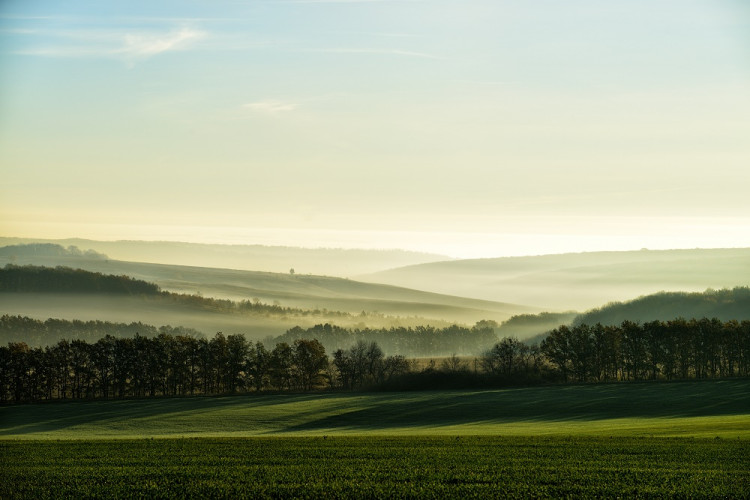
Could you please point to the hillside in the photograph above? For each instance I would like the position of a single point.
(78, 295)
(155, 311)
(577, 281)
(21, 279)
(285, 289)
(724, 304)
(278, 259)
(302, 300)
(706, 408)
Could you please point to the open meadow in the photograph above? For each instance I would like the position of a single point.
(679, 409)
(627, 439)
(377, 467)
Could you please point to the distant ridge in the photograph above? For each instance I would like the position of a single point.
(576, 281)
(279, 259)
(725, 304)
(394, 305)
(42, 250)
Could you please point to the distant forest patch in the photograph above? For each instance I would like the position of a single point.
(48, 332)
(421, 341)
(67, 280)
(725, 304)
(12, 252)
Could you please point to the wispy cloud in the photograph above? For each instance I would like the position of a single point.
(115, 44)
(140, 45)
(270, 106)
(488, 83)
(392, 52)
(341, 1)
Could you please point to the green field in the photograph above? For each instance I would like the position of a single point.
(377, 467)
(685, 439)
(698, 408)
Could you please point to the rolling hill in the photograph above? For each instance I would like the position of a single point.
(576, 281)
(279, 259)
(554, 283)
(723, 304)
(324, 297)
(706, 408)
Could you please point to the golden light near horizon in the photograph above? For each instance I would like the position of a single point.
(472, 129)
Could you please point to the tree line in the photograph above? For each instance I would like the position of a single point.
(36, 250)
(676, 349)
(34, 332)
(420, 341)
(632, 351)
(181, 365)
(170, 364)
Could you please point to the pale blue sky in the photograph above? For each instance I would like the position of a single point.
(473, 127)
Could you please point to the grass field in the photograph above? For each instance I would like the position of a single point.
(685, 439)
(377, 467)
(698, 408)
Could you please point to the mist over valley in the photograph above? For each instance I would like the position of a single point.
(263, 305)
(577, 281)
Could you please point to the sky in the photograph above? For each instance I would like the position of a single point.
(470, 128)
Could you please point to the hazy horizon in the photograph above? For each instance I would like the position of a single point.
(451, 245)
(480, 128)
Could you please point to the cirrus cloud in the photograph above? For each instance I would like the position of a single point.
(270, 106)
(113, 43)
(140, 45)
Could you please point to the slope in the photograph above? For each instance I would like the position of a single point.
(576, 281)
(726, 305)
(327, 261)
(706, 408)
(298, 291)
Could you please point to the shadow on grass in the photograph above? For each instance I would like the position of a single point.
(60, 415)
(384, 411)
(548, 404)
